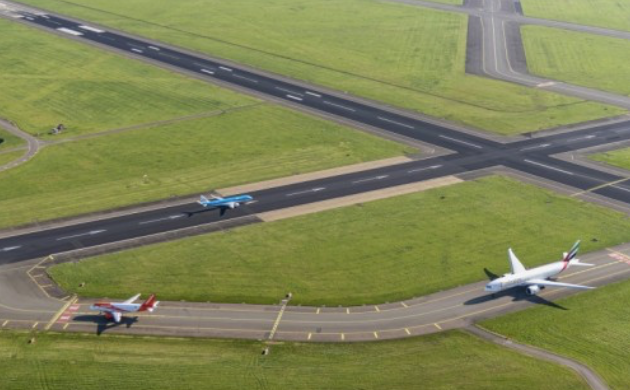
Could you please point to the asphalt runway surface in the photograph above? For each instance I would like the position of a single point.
(436, 312)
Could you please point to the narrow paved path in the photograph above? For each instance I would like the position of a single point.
(33, 144)
(591, 377)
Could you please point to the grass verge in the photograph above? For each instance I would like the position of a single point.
(383, 51)
(579, 58)
(380, 251)
(47, 80)
(10, 156)
(594, 330)
(9, 141)
(618, 158)
(257, 143)
(612, 14)
(453, 360)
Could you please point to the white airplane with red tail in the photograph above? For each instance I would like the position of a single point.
(115, 310)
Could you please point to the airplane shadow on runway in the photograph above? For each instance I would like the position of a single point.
(103, 324)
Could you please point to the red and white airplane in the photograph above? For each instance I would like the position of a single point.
(115, 310)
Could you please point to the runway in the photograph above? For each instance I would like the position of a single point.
(446, 310)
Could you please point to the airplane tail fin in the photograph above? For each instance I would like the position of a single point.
(572, 253)
(569, 258)
(203, 200)
(149, 304)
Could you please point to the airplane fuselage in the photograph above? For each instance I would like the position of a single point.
(522, 278)
(230, 202)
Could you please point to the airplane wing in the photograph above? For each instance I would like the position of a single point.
(132, 299)
(549, 283)
(117, 316)
(516, 265)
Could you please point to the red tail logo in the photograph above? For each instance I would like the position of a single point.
(148, 304)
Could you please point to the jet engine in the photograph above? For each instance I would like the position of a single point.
(532, 290)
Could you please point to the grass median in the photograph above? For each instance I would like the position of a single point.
(579, 58)
(611, 14)
(593, 330)
(619, 158)
(9, 141)
(47, 80)
(247, 145)
(371, 253)
(383, 51)
(454, 360)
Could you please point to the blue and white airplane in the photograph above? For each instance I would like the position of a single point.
(231, 202)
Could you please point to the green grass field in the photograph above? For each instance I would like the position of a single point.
(619, 158)
(247, 145)
(381, 251)
(579, 58)
(452, 360)
(47, 80)
(594, 330)
(612, 14)
(383, 51)
(10, 156)
(9, 141)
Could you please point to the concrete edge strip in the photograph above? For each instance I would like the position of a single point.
(358, 198)
(589, 375)
(263, 185)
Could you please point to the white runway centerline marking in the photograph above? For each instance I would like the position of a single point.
(207, 71)
(288, 91)
(68, 31)
(371, 179)
(581, 138)
(10, 248)
(299, 99)
(136, 50)
(161, 219)
(621, 188)
(535, 147)
(313, 94)
(339, 106)
(238, 76)
(461, 142)
(225, 69)
(395, 122)
(88, 28)
(154, 48)
(549, 167)
(93, 232)
(307, 191)
(424, 169)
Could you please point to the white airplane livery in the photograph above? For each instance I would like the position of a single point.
(538, 278)
(114, 310)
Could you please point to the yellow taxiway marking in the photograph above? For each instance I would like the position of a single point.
(317, 311)
(437, 326)
(404, 304)
(377, 309)
(611, 183)
(46, 286)
(309, 336)
(407, 331)
(66, 325)
(5, 323)
(347, 310)
(59, 313)
(35, 325)
(375, 335)
(343, 337)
